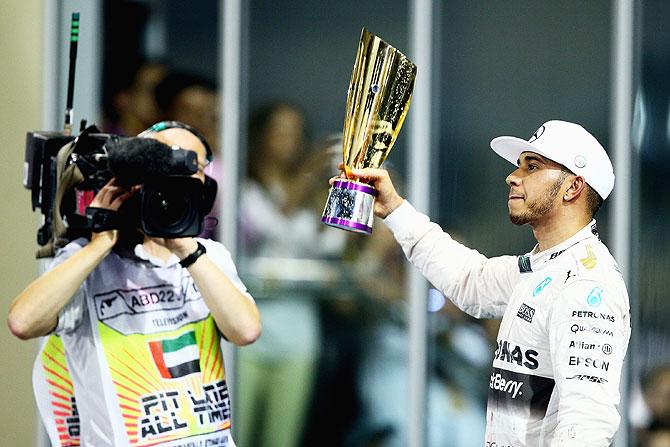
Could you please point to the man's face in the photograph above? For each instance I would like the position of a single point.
(185, 140)
(535, 189)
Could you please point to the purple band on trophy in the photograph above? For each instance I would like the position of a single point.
(356, 186)
(350, 206)
(346, 224)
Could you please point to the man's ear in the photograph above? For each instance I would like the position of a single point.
(575, 188)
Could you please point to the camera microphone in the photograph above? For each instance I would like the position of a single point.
(133, 160)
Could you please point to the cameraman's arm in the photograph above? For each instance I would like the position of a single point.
(35, 311)
(234, 311)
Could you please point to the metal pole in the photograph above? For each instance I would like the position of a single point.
(621, 119)
(229, 73)
(418, 158)
(50, 68)
(229, 70)
(55, 58)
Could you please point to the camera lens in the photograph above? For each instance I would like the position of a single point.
(168, 207)
(171, 207)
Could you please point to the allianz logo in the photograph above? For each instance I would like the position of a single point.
(606, 347)
(499, 383)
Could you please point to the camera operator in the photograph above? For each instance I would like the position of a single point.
(141, 327)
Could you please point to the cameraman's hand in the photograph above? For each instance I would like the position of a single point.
(34, 312)
(181, 246)
(388, 198)
(112, 196)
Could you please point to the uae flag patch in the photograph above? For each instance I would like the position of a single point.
(176, 357)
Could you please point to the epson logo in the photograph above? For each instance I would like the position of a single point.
(595, 315)
(499, 383)
(588, 378)
(588, 362)
(510, 353)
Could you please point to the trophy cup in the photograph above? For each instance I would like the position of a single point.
(377, 103)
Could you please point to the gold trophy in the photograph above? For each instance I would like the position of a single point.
(377, 103)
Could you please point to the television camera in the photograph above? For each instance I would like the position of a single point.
(64, 173)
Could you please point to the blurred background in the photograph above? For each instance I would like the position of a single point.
(357, 350)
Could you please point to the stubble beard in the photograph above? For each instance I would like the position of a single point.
(538, 207)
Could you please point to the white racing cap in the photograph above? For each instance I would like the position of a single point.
(568, 144)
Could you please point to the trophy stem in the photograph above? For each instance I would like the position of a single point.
(350, 206)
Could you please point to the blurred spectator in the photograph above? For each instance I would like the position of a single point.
(132, 107)
(193, 100)
(655, 437)
(463, 346)
(283, 244)
(656, 393)
(455, 412)
(336, 403)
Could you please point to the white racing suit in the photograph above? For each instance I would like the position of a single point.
(563, 337)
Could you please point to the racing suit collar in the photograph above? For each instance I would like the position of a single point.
(534, 259)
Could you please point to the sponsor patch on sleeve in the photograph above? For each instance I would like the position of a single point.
(526, 313)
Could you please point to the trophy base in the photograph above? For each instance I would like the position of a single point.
(350, 206)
